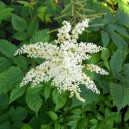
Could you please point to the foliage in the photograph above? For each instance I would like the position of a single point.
(42, 107)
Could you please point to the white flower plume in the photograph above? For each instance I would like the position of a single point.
(63, 63)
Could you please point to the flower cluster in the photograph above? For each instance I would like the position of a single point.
(63, 63)
(97, 69)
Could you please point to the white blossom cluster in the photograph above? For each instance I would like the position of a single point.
(63, 63)
(97, 69)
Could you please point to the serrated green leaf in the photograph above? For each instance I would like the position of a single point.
(59, 99)
(20, 36)
(7, 48)
(120, 95)
(18, 114)
(16, 93)
(33, 101)
(121, 30)
(118, 40)
(10, 78)
(40, 36)
(110, 28)
(53, 115)
(5, 13)
(20, 61)
(18, 23)
(105, 38)
(126, 70)
(122, 18)
(117, 60)
(4, 64)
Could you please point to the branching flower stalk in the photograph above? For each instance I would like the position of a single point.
(63, 63)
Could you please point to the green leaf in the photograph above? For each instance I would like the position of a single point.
(35, 89)
(118, 40)
(123, 5)
(7, 48)
(20, 36)
(48, 18)
(17, 125)
(86, 94)
(33, 101)
(105, 54)
(47, 90)
(10, 78)
(40, 36)
(122, 18)
(121, 30)
(16, 93)
(126, 118)
(4, 64)
(110, 28)
(59, 99)
(25, 12)
(94, 59)
(18, 114)
(2, 5)
(105, 38)
(20, 61)
(32, 28)
(5, 13)
(18, 23)
(53, 115)
(117, 60)
(89, 73)
(45, 126)
(3, 117)
(120, 95)
(126, 70)
(4, 100)
(42, 16)
(5, 125)
(42, 9)
(107, 64)
(26, 126)
(57, 125)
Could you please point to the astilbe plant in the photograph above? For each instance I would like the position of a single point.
(63, 61)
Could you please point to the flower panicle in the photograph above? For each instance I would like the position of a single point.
(63, 63)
